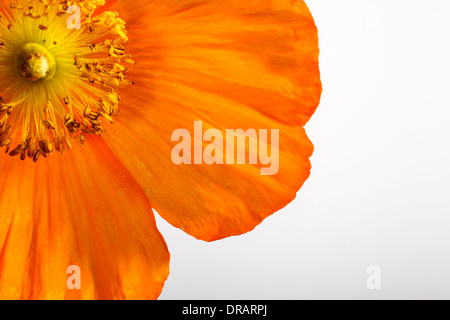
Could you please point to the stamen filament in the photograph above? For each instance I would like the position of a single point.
(58, 84)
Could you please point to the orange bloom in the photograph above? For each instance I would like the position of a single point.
(90, 176)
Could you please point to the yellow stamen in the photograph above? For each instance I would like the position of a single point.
(57, 84)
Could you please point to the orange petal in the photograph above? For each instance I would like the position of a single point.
(80, 209)
(259, 53)
(232, 64)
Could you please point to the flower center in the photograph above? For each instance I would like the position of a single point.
(58, 85)
(35, 62)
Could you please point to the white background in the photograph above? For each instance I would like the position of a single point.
(379, 189)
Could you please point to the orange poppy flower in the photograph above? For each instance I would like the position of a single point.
(90, 176)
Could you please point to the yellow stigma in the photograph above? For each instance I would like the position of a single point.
(58, 84)
(35, 62)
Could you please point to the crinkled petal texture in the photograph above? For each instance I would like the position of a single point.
(81, 209)
(232, 65)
